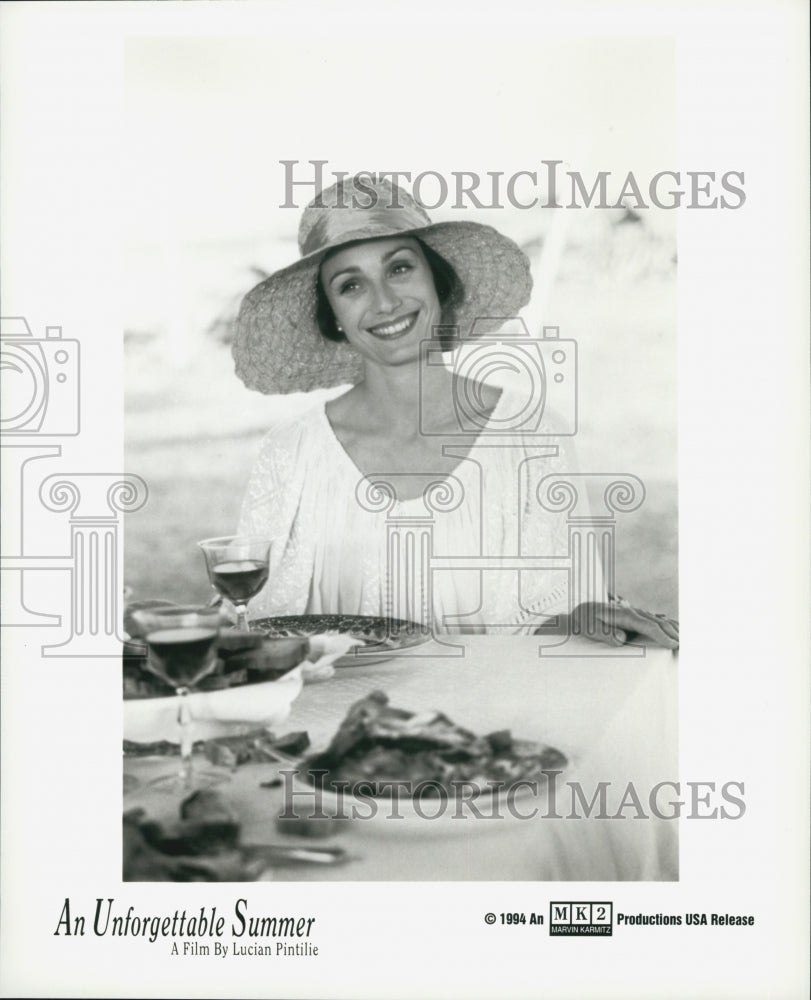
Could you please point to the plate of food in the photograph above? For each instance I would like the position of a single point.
(394, 770)
(378, 639)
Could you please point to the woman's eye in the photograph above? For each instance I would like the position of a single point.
(349, 286)
(401, 267)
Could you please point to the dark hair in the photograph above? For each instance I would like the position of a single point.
(449, 289)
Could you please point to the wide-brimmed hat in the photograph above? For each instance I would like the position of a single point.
(278, 346)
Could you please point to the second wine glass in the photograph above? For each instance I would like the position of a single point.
(237, 568)
(182, 651)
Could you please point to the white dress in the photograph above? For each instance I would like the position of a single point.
(343, 545)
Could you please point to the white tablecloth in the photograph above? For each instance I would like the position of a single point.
(613, 716)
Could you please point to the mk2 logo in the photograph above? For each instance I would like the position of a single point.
(591, 919)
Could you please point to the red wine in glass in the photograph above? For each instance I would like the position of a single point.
(241, 579)
(182, 650)
(182, 656)
(237, 568)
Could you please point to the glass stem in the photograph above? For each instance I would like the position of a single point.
(184, 721)
(242, 617)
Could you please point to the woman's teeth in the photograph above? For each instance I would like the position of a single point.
(393, 329)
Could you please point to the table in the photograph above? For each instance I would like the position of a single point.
(614, 717)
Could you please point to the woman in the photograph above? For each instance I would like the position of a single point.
(396, 497)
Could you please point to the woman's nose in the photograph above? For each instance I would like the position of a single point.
(386, 298)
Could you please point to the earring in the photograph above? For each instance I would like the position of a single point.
(340, 329)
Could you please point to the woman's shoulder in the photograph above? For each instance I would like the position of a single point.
(293, 437)
(295, 427)
(525, 415)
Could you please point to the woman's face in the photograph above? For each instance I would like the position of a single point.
(383, 296)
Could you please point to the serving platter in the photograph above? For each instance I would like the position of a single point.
(379, 639)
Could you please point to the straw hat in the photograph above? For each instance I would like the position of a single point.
(279, 347)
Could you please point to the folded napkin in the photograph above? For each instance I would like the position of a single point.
(232, 710)
(324, 651)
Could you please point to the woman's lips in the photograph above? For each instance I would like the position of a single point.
(394, 328)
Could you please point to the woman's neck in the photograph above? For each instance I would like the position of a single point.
(410, 396)
(404, 404)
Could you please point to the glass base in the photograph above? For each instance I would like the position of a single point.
(176, 784)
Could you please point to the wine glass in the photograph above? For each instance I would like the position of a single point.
(182, 651)
(238, 568)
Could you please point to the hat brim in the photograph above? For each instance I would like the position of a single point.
(279, 348)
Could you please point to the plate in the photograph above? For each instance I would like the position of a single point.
(382, 638)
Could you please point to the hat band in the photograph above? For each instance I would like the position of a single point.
(337, 225)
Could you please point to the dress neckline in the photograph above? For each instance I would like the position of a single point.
(351, 466)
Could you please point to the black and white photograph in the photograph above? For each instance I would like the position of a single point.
(370, 458)
(384, 399)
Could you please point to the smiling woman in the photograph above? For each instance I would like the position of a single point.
(418, 493)
(383, 297)
(446, 284)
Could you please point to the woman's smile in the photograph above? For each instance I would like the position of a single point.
(394, 328)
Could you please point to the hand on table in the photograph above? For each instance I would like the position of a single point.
(618, 621)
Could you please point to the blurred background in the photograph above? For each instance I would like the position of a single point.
(209, 119)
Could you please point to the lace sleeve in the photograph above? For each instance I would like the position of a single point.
(262, 495)
(269, 508)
